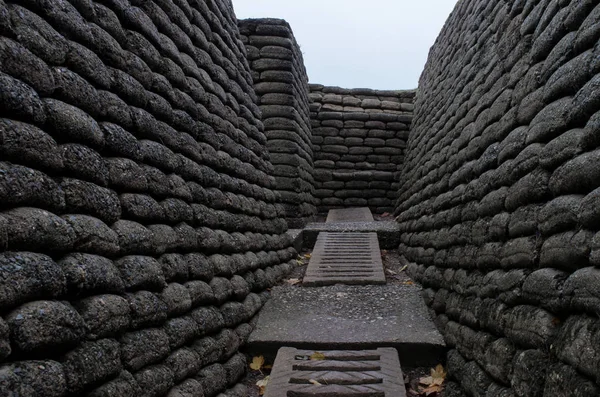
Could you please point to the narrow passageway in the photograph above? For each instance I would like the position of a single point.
(360, 327)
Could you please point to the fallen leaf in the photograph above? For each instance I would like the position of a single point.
(314, 382)
(426, 380)
(432, 390)
(317, 356)
(257, 363)
(293, 281)
(433, 383)
(390, 271)
(262, 385)
(438, 374)
(306, 256)
(409, 282)
(404, 268)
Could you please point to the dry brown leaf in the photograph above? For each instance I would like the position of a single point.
(293, 281)
(257, 363)
(314, 382)
(409, 282)
(432, 390)
(426, 380)
(317, 356)
(438, 374)
(433, 384)
(262, 385)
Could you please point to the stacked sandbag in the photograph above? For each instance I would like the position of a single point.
(500, 199)
(281, 84)
(359, 138)
(138, 225)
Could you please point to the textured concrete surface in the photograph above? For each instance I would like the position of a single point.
(296, 236)
(387, 232)
(345, 258)
(349, 317)
(362, 214)
(340, 374)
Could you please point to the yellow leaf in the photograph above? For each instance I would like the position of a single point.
(427, 380)
(438, 374)
(409, 282)
(257, 363)
(404, 268)
(432, 390)
(314, 382)
(262, 385)
(307, 256)
(317, 356)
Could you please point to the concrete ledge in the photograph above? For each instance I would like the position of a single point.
(296, 235)
(387, 232)
(349, 317)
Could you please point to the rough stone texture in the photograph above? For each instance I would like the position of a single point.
(138, 222)
(349, 317)
(497, 204)
(359, 138)
(281, 85)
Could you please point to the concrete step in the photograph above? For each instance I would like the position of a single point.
(346, 258)
(349, 317)
(362, 373)
(388, 233)
(362, 214)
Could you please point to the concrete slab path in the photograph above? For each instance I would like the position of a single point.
(349, 317)
(362, 214)
(387, 232)
(345, 258)
(337, 374)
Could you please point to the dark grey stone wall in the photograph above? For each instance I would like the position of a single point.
(138, 225)
(499, 203)
(281, 83)
(359, 138)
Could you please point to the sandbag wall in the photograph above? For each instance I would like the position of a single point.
(281, 83)
(138, 224)
(359, 138)
(500, 199)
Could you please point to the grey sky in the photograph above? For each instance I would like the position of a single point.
(380, 44)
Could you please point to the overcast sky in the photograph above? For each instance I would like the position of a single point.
(380, 44)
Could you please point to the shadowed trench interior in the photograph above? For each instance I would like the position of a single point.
(158, 157)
